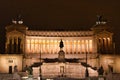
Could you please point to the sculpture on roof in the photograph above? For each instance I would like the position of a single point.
(99, 17)
(18, 20)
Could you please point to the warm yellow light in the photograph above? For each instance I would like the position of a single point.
(90, 46)
(36, 41)
(32, 41)
(104, 38)
(39, 41)
(28, 41)
(48, 46)
(83, 46)
(108, 38)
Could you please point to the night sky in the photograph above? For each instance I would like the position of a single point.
(60, 14)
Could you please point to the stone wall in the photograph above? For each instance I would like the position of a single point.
(110, 62)
(10, 60)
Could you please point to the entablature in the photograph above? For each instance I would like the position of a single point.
(60, 33)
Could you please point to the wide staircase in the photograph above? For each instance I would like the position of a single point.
(6, 76)
(113, 76)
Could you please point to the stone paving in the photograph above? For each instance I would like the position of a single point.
(108, 77)
(10, 77)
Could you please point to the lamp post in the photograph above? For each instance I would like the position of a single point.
(40, 76)
(87, 50)
(86, 71)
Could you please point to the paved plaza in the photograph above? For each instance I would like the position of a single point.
(10, 77)
(114, 76)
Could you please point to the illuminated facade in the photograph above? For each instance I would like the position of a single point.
(32, 44)
(22, 40)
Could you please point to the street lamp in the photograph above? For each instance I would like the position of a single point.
(86, 71)
(87, 50)
(40, 76)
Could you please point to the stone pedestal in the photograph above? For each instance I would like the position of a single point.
(101, 78)
(36, 72)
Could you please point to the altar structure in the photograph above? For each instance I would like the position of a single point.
(36, 45)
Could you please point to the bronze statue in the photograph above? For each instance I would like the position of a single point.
(61, 44)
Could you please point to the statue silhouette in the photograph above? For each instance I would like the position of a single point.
(61, 44)
(100, 71)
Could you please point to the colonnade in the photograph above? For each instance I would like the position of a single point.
(104, 45)
(52, 46)
(14, 45)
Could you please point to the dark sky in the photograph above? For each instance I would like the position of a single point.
(63, 14)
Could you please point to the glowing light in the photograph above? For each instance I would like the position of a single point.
(20, 22)
(13, 21)
(86, 45)
(52, 46)
(83, 46)
(104, 38)
(108, 38)
(90, 46)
